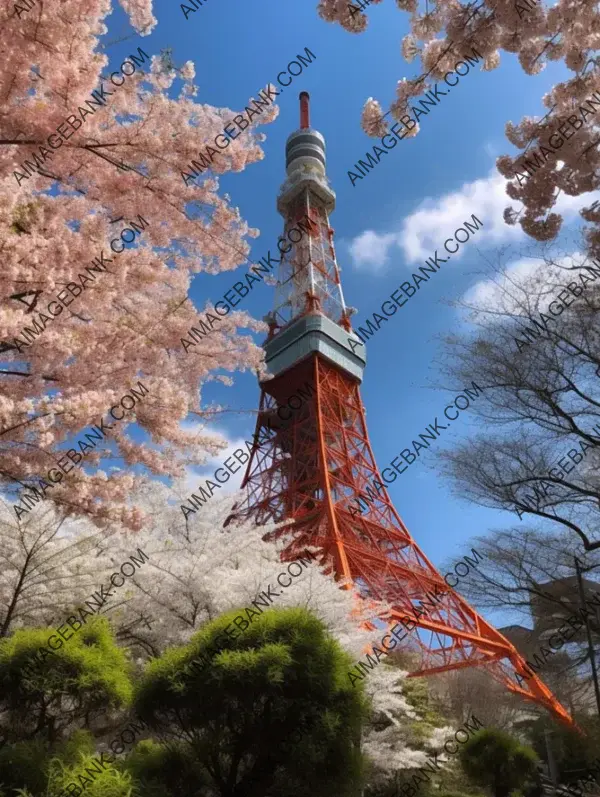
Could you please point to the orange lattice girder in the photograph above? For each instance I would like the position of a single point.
(309, 470)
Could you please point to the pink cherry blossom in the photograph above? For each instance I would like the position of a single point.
(128, 322)
(568, 31)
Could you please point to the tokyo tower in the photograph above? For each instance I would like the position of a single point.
(309, 469)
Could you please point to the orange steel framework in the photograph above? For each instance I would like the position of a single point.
(308, 467)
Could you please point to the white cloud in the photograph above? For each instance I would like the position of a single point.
(196, 475)
(489, 294)
(507, 291)
(370, 248)
(492, 150)
(436, 220)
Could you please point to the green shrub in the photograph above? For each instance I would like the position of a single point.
(443, 793)
(495, 760)
(256, 689)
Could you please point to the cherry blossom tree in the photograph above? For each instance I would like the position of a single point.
(48, 563)
(196, 571)
(444, 31)
(62, 200)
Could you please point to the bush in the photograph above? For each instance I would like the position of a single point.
(452, 794)
(274, 697)
(110, 782)
(498, 761)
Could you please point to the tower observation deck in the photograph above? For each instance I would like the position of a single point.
(307, 469)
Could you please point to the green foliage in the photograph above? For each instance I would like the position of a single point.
(110, 781)
(453, 780)
(498, 761)
(417, 694)
(44, 692)
(28, 768)
(574, 752)
(274, 704)
(443, 793)
(28, 764)
(24, 765)
(79, 743)
(161, 771)
(274, 707)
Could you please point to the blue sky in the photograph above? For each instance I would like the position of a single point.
(385, 226)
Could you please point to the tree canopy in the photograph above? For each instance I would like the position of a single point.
(271, 711)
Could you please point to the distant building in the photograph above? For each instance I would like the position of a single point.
(562, 601)
(551, 605)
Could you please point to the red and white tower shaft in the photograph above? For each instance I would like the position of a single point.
(309, 279)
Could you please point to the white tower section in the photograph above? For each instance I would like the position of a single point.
(309, 313)
(309, 277)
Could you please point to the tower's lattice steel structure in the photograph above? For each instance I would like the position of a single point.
(311, 467)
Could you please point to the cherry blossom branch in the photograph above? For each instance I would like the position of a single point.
(20, 373)
(28, 421)
(19, 141)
